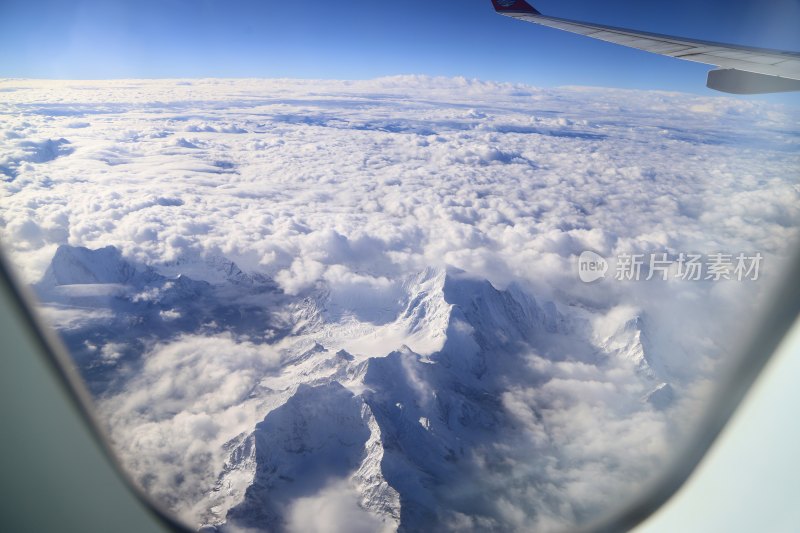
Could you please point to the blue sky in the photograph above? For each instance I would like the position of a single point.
(364, 39)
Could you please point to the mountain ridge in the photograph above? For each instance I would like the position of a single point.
(400, 419)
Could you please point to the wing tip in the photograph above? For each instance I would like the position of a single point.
(733, 81)
(514, 6)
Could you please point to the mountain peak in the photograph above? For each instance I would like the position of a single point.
(73, 265)
(212, 268)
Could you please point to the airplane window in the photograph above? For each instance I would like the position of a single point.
(309, 291)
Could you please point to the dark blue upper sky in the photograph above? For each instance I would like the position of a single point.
(364, 39)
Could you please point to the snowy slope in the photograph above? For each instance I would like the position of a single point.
(401, 412)
(221, 256)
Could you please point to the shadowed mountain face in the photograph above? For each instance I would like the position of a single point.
(131, 307)
(81, 266)
(442, 424)
(319, 434)
(433, 416)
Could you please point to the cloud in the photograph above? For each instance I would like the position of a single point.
(301, 275)
(592, 445)
(189, 398)
(31, 151)
(334, 509)
(340, 190)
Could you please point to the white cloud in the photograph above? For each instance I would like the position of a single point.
(335, 509)
(351, 186)
(189, 397)
(301, 275)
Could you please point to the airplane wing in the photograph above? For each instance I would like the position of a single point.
(741, 69)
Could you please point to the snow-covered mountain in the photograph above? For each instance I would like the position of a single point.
(271, 239)
(403, 428)
(110, 310)
(427, 421)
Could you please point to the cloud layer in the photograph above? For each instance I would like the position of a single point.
(184, 403)
(342, 191)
